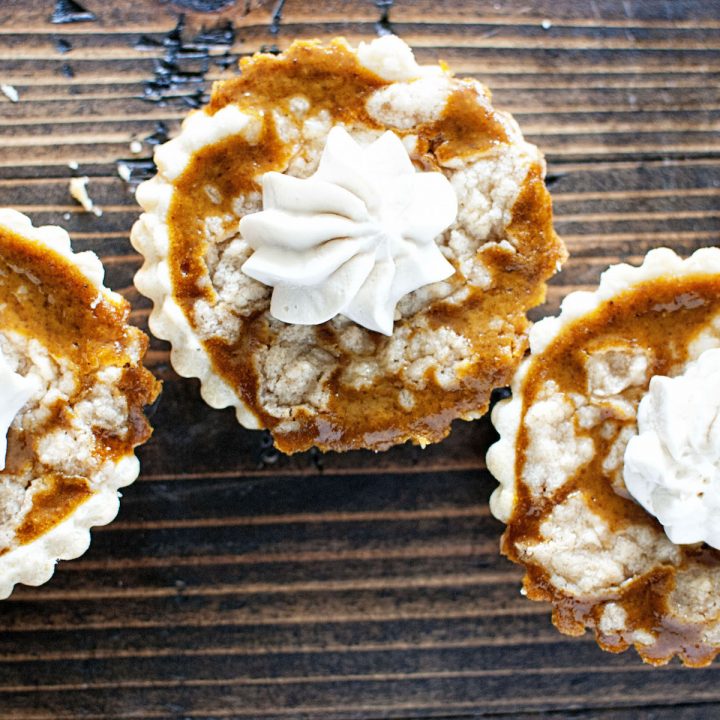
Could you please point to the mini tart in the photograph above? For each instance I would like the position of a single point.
(588, 548)
(71, 446)
(337, 385)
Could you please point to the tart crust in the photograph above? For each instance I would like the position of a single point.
(71, 446)
(588, 548)
(338, 386)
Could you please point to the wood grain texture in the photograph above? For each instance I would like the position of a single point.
(240, 583)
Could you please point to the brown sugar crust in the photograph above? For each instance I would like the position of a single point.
(46, 297)
(664, 316)
(332, 79)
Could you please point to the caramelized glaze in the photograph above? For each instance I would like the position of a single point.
(332, 79)
(46, 297)
(664, 316)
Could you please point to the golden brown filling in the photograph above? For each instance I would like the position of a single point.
(332, 79)
(51, 505)
(663, 316)
(45, 297)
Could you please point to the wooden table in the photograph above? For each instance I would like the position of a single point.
(239, 583)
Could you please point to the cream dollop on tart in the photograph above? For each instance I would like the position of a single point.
(672, 466)
(354, 238)
(608, 460)
(73, 389)
(343, 245)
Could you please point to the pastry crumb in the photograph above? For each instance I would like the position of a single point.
(78, 189)
(10, 92)
(123, 170)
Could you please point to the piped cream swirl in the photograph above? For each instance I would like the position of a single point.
(353, 238)
(672, 466)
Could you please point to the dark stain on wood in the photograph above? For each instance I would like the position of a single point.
(69, 11)
(276, 18)
(179, 75)
(383, 25)
(204, 6)
(62, 46)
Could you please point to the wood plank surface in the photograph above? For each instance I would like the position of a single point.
(237, 582)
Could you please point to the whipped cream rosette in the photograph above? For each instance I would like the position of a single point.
(354, 238)
(672, 466)
(609, 460)
(343, 246)
(72, 389)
